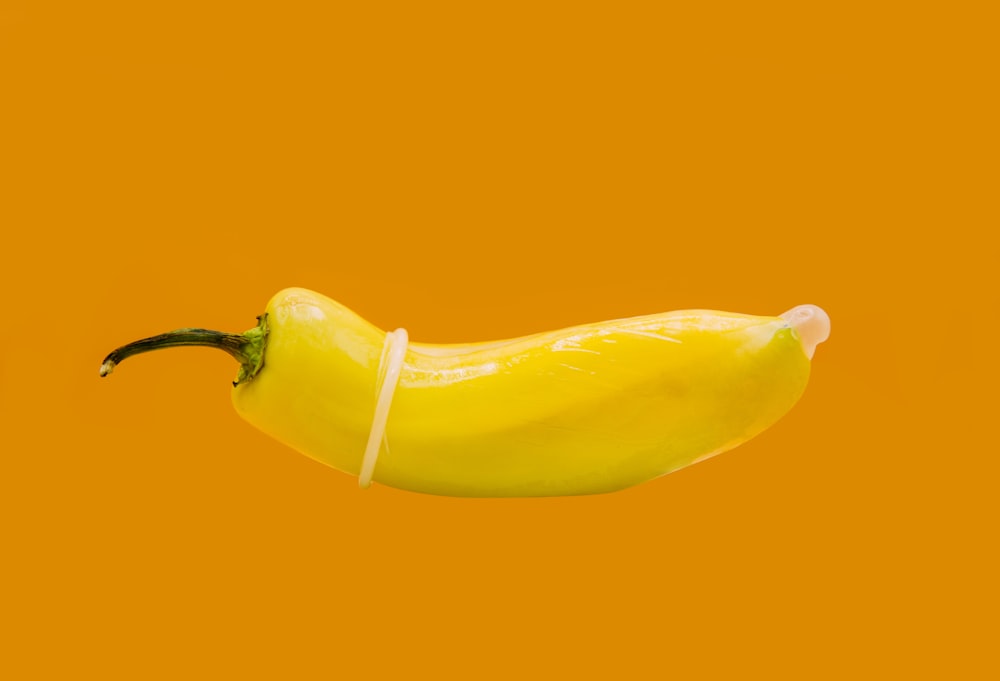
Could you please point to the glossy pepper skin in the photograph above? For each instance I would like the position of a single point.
(589, 409)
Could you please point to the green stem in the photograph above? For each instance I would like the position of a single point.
(247, 348)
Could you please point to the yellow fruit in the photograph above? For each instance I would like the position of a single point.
(589, 409)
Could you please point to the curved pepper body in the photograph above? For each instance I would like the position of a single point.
(589, 409)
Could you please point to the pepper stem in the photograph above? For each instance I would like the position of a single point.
(247, 348)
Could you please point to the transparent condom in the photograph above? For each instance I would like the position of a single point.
(810, 322)
(389, 370)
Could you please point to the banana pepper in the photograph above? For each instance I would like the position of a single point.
(588, 409)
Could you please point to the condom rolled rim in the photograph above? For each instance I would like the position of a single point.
(390, 368)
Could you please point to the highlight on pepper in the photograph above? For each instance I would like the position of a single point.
(589, 409)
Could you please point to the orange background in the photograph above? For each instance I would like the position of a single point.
(476, 171)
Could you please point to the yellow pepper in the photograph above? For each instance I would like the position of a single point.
(589, 409)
